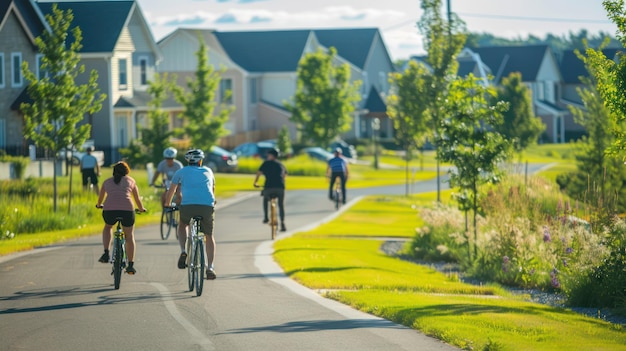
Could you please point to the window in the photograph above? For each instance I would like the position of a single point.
(3, 141)
(123, 74)
(226, 89)
(365, 85)
(254, 96)
(16, 69)
(382, 82)
(143, 70)
(1, 70)
(41, 73)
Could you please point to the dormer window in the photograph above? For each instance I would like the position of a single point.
(123, 74)
(143, 71)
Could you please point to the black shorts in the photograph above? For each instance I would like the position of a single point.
(128, 217)
(89, 173)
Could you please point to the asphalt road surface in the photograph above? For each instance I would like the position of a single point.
(61, 298)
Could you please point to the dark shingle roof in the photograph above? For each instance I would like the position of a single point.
(101, 22)
(352, 44)
(503, 60)
(374, 102)
(31, 17)
(141, 99)
(572, 68)
(271, 51)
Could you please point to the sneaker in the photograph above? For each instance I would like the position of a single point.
(210, 274)
(104, 258)
(283, 228)
(130, 270)
(265, 221)
(182, 261)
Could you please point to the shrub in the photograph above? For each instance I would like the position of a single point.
(19, 164)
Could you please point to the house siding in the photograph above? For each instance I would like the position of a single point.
(13, 39)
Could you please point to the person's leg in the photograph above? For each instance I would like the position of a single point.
(281, 205)
(208, 222)
(333, 176)
(106, 236)
(182, 235)
(343, 187)
(85, 178)
(266, 200)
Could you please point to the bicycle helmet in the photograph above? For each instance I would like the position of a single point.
(194, 156)
(273, 151)
(170, 152)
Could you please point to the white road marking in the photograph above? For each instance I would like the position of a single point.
(202, 340)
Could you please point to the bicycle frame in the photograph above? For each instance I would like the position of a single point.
(196, 263)
(118, 254)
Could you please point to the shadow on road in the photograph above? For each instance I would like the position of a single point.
(318, 325)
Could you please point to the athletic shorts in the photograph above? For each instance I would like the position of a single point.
(128, 217)
(207, 213)
(89, 173)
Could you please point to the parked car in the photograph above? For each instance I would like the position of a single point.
(220, 160)
(317, 153)
(347, 150)
(256, 150)
(283, 153)
(77, 155)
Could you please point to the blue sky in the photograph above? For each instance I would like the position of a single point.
(395, 18)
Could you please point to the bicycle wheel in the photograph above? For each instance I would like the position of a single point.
(191, 251)
(166, 223)
(274, 218)
(117, 262)
(199, 266)
(337, 198)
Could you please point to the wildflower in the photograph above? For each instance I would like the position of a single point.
(568, 207)
(505, 264)
(565, 262)
(569, 250)
(546, 234)
(559, 206)
(505, 259)
(554, 280)
(532, 271)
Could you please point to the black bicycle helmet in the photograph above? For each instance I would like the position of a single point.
(273, 151)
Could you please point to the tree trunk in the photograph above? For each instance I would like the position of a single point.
(54, 181)
(69, 199)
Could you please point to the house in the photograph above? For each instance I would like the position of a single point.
(572, 69)
(259, 67)
(121, 49)
(540, 72)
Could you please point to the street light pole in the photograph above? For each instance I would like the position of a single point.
(375, 128)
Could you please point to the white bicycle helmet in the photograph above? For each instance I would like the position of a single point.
(170, 152)
(194, 156)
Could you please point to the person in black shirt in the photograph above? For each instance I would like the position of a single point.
(275, 174)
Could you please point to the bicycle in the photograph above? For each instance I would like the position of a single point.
(169, 219)
(118, 252)
(338, 197)
(273, 215)
(196, 263)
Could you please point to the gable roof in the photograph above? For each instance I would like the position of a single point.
(101, 22)
(353, 44)
(28, 14)
(504, 60)
(572, 68)
(374, 103)
(265, 51)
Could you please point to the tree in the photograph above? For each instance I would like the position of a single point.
(284, 141)
(469, 141)
(202, 126)
(599, 178)
(443, 40)
(59, 104)
(325, 98)
(155, 138)
(407, 107)
(520, 124)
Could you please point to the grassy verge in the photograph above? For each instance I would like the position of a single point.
(340, 259)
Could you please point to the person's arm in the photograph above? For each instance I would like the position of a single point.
(100, 196)
(328, 169)
(169, 195)
(256, 179)
(154, 177)
(138, 199)
(347, 171)
(97, 167)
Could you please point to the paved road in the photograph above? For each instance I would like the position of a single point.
(60, 298)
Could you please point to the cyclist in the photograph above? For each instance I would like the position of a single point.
(90, 169)
(167, 167)
(275, 173)
(118, 191)
(337, 167)
(197, 184)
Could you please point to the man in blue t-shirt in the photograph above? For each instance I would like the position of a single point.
(197, 185)
(90, 169)
(337, 167)
(275, 174)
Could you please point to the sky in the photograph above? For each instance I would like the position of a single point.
(396, 19)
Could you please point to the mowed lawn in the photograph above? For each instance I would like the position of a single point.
(342, 259)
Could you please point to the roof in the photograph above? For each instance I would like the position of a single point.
(28, 13)
(353, 44)
(572, 67)
(140, 99)
(269, 51)
(23, 97)
(374, 103)
(101, 22)
(504, 60)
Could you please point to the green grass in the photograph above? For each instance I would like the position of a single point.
(547, 153)
(343, 259)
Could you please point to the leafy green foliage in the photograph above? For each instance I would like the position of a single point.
(59, 104)
(569, 41)
(284, 141)
(325, 98)
(519, 122)
(202, 126)
(155, 138)
(469, 142)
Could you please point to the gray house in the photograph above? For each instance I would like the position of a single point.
(117, 43)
